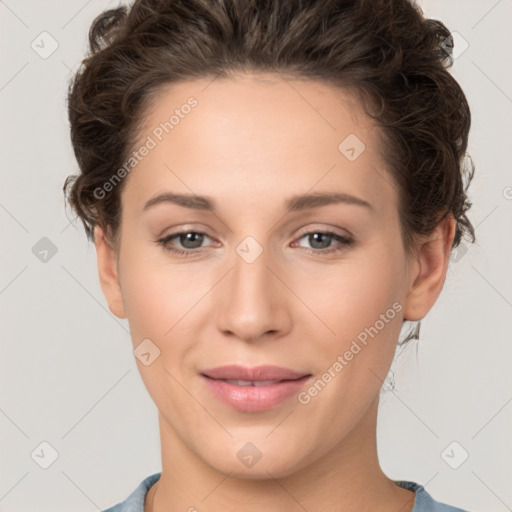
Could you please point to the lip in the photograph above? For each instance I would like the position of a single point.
(257, 373)
(253, 398)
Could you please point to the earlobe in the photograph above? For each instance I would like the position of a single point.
(108, 275)
(428, 270)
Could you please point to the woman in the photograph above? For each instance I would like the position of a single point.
(273, 189)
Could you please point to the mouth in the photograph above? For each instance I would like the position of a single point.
(252, 382)
(253, 389)
(266, 373)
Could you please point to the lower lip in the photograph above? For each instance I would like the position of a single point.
(254, 398)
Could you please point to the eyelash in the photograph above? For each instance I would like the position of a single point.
(343, 240)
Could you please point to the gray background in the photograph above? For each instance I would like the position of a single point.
(68, 375)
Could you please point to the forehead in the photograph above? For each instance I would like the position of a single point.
(261, 135)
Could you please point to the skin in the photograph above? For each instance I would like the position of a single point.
(252, 142)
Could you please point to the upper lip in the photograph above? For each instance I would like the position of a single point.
(256, 373)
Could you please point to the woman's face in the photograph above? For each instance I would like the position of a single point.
(258, 283)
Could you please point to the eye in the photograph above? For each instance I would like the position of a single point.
(321, 240)
(190, 240)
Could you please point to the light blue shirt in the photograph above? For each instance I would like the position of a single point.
(422, 503)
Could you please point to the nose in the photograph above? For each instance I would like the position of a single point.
(253, 301)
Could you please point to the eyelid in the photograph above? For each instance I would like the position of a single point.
(343, 232)
(181, 228)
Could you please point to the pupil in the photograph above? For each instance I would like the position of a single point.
(190, 237)
(316, 236)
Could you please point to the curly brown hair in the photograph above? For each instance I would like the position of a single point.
(386, 51)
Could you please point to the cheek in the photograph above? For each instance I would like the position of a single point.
(157, 299)
(361, 301)
(150, 294)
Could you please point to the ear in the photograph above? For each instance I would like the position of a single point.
(107, 269)
(428, 270)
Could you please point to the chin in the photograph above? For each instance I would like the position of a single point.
(274, 464)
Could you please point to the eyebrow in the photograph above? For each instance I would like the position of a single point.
(294, 203)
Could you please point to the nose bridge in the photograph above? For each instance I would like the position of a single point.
(249, 307)
(251, 278)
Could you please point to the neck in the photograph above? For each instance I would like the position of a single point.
(347, 478)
